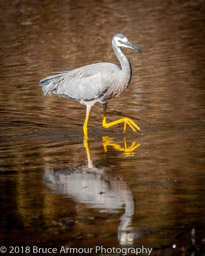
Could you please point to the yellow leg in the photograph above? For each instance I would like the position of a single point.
(85, 126)
(125, 120)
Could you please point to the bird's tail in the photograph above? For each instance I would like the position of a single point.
(48, 84)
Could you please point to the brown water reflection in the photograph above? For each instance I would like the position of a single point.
(164, 176)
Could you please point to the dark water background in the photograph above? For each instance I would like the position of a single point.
(153, 197)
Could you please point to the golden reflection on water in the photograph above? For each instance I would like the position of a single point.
(109, 142)
(127, 151)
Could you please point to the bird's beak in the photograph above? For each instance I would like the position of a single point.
(129, 45)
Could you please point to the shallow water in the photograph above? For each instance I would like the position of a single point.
(57, 191)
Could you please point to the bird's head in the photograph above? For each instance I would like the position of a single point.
(121, 40)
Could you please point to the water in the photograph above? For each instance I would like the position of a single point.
(56, 191)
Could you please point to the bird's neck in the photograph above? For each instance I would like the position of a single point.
(125, 64)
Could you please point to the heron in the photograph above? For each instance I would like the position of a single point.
(96, 83)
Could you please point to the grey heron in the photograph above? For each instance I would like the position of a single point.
(96, 83)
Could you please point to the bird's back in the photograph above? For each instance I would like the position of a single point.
(95, 82)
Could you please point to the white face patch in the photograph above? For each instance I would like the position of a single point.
(120, 41)
(124, 39)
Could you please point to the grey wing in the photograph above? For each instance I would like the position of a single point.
(48, 83)
(85, 88)
(86, 83)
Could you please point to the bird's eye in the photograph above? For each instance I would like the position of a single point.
(119, 41)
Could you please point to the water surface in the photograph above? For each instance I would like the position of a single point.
(57, 192)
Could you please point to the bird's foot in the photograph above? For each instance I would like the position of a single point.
(125, 120)
(132, 124)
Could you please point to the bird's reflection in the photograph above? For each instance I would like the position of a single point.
(98, 189)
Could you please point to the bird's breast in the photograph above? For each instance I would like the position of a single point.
(117, 86)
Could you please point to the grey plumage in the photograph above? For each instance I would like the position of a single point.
(88, 83)
(95, 83)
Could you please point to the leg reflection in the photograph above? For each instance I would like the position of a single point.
(90, 162)
(109, 141)
(128, 151)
